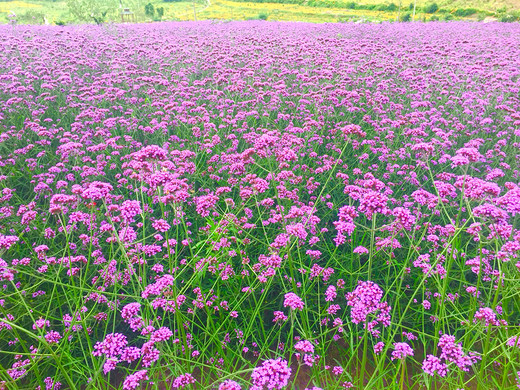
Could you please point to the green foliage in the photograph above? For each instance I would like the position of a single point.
(100, 19)
(509, 18)
(149, 10)
(284, 2)
(382, 7)
(391, 7)
(60, 23)
(406, 17)
(481, 16)
(462, 12)
(160, 12)
(89, 10)
(31, 17)
(431, 8)
(260, 16)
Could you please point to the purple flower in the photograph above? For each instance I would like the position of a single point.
(53, 337)
(130, 310)
(293, 301)
(229, 385)
(111, 346)
(433, 364)
(183, 381)
(129, 209)
(513, 341)
(365, 301)
(452, 352)
(304, 346)
(134, 380)
(7, 241)
(378, 348)
(279, 316)
(330, 293)
(401, 351)
(272, 374)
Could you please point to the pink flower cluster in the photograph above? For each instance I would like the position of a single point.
(365, 301)
(272, 374)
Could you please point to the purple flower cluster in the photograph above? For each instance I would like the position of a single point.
(272, 374)
(293, 301)
(365, 301)
(182, 381)
(451, 352)
(229, 385)
(170, 179)
(401, 351)
(111, 346)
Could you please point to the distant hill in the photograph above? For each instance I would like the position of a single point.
(58, 12)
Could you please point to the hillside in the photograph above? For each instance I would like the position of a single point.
(47, 12)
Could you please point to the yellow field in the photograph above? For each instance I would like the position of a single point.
(53, 11)
(229, 10)
(485, 5)
(8, 6)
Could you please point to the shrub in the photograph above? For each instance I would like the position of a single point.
(263, 16)
(149, 10)
(431, 8)
(31, 17)
(463, 12)
(508, 18)
(100, 19)
(160, 12)
(391, 7)
(481, 16)
(383, 7)
(406, 17)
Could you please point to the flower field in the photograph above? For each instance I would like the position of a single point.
(259, 205)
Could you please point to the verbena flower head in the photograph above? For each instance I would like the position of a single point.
(293, 301)
(183, 381)
(111, 346)
(433, 365)
(365, 301)
(401, 351)
(229, 385)
(133, 381)
(272, 374)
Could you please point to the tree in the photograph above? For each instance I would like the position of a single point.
(92, 10)
(431, 8)
(101, 10)
(149, 10)
(160, 12)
